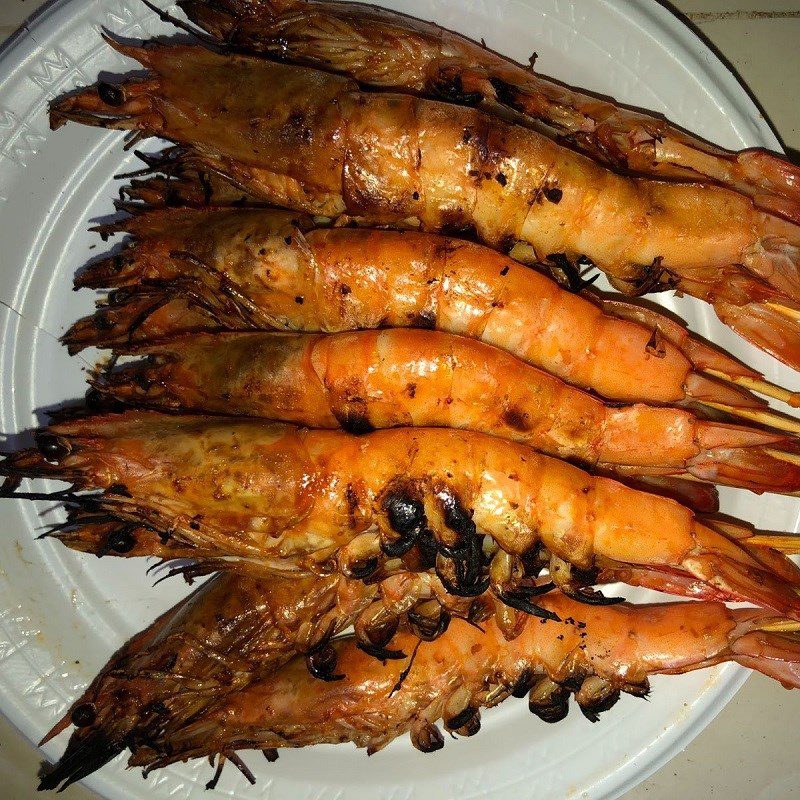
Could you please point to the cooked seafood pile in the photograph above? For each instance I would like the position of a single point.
(356, 368)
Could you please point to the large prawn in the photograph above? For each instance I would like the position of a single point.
(312, 141)
(386, 49)
(392, 378)
(271, 492)
(190, 270)
(593, 653)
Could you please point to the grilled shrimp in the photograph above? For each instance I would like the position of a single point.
(261, 491)
(190, 270)
(392, 378)
(386, 49)
(312, 141)
(594, 653)
(223, 637)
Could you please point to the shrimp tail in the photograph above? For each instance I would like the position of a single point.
(772, 326)
(759, 460)
(774, 654)
(738, 575)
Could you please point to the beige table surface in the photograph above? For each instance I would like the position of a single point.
(751, 751)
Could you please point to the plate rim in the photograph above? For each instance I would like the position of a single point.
(652, 17)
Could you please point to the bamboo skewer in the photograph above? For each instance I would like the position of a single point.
(782, 626)
(792, 313)
(768, 418)
(762, 387)
(786, 543)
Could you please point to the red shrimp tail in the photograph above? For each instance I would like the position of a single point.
(744, 580)
(775, 331)
(749, 458)
(776, 655)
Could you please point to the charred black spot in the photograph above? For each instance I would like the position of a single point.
(121, 541)
(456, 517)
(516, 418)
(83, 715)
(425, 319)
(156, 708)
(507, 243)
(411, 389)
(426, 548)
(406, 514)
(53, 448)
(344, 289)
(103, 322)
(299, 300)
(504, 271)
(552, 713)
(593, 709)
(523, 683)
(554, 194)
(362, 569)
(478, 140)
(415, 195)
(505, 92)
(354, 420)
(462, 718)
(427, 739)
(501, 178)
(449, 86)
(287, 239)
(111, 95)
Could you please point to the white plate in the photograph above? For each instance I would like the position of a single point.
(61, 614)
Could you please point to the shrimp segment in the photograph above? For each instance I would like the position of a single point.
(260, 491)
(393, 378)
(250, 269)
(595, 653)
(312, 141)
(382, 48)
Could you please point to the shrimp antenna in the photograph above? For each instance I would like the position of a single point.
(201, 36)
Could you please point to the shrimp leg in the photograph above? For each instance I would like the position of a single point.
(399, 158)
(594, 653)
(268, 491)
(395, 377)
(385, 49)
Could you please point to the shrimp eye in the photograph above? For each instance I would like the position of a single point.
(52, 447)
(83, 715)
(121, 541)
(111, 95)
(322, 663)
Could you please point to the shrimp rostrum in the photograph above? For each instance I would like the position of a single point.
(274, 492)
(382, 48)
(313, 141)
(593, 653)
(365, 380)
(234, 269)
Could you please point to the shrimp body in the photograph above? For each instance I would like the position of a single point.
(385, 49)
(259, 491)
(265, 269)
(595, 653)
(393, 378)
(312, 141)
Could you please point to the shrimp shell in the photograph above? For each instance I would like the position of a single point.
(386, 49)
(247, 269)
(269, 491)
(595, 653)
(312, 141)
(392, 378)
